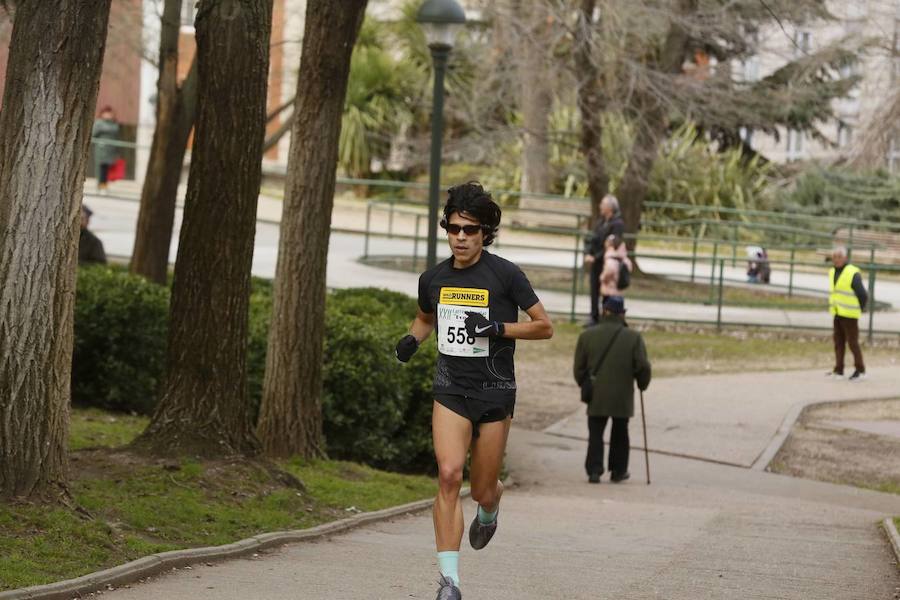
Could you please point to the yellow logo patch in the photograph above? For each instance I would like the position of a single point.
(464, 296)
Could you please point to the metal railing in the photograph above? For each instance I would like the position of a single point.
(706, 268)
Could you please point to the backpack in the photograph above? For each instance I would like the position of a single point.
(624, 275)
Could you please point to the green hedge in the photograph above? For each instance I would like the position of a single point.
(376, 410)
(120, 340)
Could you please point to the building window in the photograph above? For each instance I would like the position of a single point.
(751, 69)
(893, 157)
(795, 144)
(802, 42)
(844, 134)
(188, 13)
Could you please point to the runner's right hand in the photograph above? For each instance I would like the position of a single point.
(406, 347)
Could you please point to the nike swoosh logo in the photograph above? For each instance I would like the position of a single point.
(482, 329)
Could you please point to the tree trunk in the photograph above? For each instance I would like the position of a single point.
(291, 413)
(175, 113)
(632, 190)
(652, 122)
(590, 106)
(537, 100)
(52, 80)
(204, 409)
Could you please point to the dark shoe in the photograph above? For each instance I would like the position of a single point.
(857, 376)
(835, 374)
(594, 478)
(448, 590)
(618, 478)
(480, 534)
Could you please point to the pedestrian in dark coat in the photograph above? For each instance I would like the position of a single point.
(624, 363)
(609, 223)
(90, 248)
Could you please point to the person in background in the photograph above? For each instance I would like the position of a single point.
(609, 223)
(615, 258)
(105, 128)
(847, 301)
(758, 268)
(614, 357)
(90, 248)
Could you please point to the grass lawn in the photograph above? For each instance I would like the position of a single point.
(140, 506)
(683, 350)
(651, 287)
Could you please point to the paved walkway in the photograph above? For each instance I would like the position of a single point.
(114, 222)
(733, 418)
(702, 530)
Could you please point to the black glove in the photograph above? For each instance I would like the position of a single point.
(406, 347)
(478, 326)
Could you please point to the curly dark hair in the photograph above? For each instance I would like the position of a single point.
(472, 199)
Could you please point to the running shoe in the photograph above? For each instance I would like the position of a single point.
(448, 590)
(834, 375)
(857, 376)
(480, 534)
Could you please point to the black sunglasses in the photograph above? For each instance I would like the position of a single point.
(454, 229)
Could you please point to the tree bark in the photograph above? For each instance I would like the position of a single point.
(204, 410)
(291, 414)
(652, 123)
(537, 99)
(590, 106)
(52, 80)
(175, 114)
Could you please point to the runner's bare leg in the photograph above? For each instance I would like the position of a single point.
(487, 460)
(452, 435)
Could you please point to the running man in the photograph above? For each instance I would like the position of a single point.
(472, 300)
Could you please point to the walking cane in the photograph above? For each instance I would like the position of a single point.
(646, 446)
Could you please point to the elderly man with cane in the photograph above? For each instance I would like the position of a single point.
(609, 359)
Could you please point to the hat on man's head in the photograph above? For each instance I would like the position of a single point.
(615, 305)
(86, 210)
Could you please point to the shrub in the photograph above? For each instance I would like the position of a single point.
(120, 340)
(376, 410)
(258, 340)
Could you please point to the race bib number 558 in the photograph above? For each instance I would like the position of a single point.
(451, 316)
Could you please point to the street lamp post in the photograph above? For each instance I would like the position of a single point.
(440, 19)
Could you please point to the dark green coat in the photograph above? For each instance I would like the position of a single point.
(625, 363)
(105, 154)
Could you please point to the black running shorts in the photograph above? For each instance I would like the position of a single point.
(475, 410)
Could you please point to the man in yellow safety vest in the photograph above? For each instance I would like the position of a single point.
(847, 301)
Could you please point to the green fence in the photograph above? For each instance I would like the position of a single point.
(707, 259)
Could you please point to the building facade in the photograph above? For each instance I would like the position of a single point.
(874, 21)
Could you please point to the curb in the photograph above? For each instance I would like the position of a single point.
(787, 424)
(166, 561)
(893, 537)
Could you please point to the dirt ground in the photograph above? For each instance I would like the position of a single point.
(818, 448)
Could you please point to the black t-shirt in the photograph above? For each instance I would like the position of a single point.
(476, 367)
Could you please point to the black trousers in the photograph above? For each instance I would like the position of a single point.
(596, 269)
(619, 445)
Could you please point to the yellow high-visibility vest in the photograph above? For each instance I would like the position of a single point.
(843, 301)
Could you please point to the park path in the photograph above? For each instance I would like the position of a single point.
(701, 530)
(115, 218)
